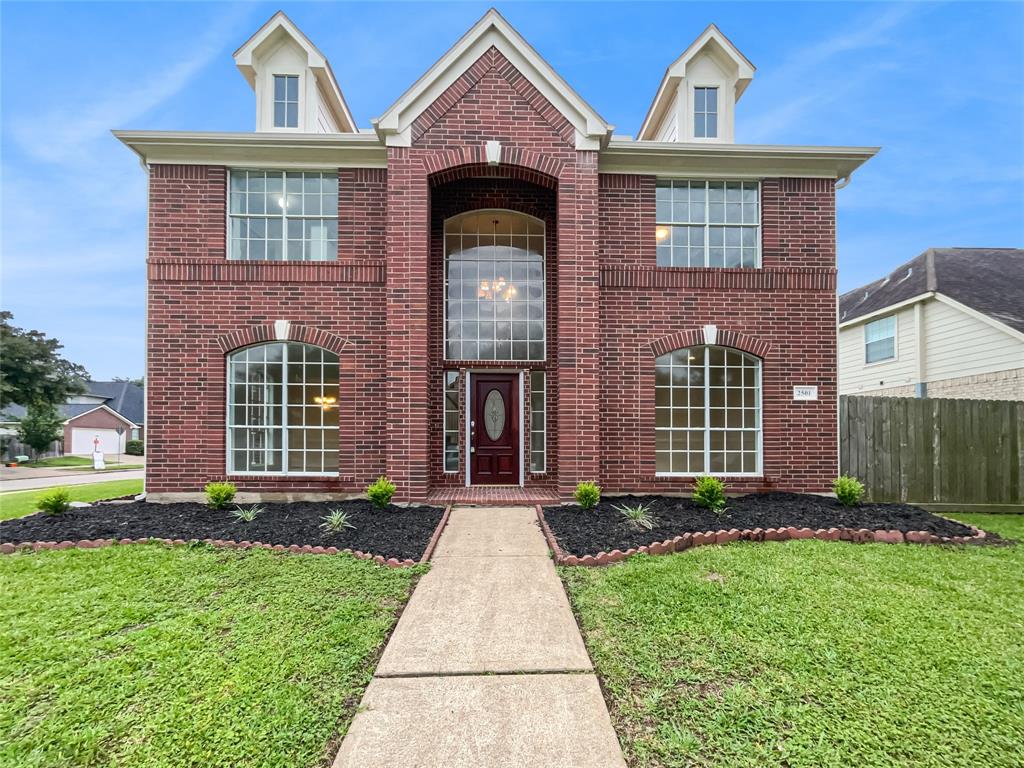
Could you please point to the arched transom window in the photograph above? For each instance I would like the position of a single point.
(494, 286)
(708, 412)
(283, 410)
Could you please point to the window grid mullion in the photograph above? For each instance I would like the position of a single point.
(707, 411)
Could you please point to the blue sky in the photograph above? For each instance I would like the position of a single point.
(938, 86)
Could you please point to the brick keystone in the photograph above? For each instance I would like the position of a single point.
(7, 549)
(278, 547)
(307, 549)
(918, 537)
(588, 560)
(643, 550)
(570, 560)
(394, 563)
(379, 559)
(803, 533)
(332, 550)
(657, 548)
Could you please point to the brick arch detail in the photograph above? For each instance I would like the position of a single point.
(471, 162)
(694, 337)
(339, 345)
(262, 334)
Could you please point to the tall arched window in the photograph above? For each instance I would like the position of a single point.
(494, 286)
(708, 412)
(283, 410)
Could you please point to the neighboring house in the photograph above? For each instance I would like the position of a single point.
(949, 323)
(488, 287)
(96, 415)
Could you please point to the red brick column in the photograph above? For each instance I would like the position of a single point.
(408, 230)
(579, 327)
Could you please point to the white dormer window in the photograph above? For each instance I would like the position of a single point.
(286, 101)
(705, 113)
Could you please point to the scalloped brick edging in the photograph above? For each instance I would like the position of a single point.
(688, 540)
(296, 549)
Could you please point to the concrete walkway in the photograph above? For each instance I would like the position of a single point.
(486, 666)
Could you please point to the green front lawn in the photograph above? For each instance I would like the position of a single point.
(60, 461)
(813, 653)
(20, 503)
(148, 656)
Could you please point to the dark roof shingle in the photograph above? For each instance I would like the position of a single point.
(989, 280)
(123, 397)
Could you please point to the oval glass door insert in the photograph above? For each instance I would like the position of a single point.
(494, 414)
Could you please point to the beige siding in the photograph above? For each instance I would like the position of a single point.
(958, 344)
(855, 376)
(959, 348)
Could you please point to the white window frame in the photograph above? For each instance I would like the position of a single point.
(284, 216)
(759, 471)
(274, 101)
(707, 224)
(229, 437)
(444, 297)
(895, 340)
(444, 423)
(543, 431)
(717, 113)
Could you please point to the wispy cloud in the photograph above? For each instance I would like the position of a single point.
(799, 75)
(64, 133)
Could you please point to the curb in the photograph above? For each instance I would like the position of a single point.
(295, 549)
(688, 540)
(432, 544)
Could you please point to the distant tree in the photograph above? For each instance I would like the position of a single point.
(32, 369)
(139, 382)
(40, 426)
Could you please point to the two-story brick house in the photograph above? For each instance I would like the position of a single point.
(490, 287)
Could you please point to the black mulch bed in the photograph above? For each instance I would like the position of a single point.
(400, 532)
(604, 528)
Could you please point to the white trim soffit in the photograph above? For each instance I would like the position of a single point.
(262, 150)
(748, 161)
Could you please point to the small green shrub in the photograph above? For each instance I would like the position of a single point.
(380, 491)
(587, 495)
(247, 514)
(55, 501)
(219, 495)
(849, 490)
(135, 448)
(639, 515)
(709, 492)
(336, 521)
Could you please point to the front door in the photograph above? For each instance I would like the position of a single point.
(494, 429)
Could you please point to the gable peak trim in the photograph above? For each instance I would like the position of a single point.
(395, 125)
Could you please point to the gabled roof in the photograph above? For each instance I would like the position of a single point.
(124, 398)
(711, 36)
(267, 36)
(592, 131)
(988, 280)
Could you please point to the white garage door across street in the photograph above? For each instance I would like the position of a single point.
(82, 440)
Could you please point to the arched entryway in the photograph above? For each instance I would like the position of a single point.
(492, 306)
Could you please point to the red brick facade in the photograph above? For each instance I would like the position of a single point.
(610, 309)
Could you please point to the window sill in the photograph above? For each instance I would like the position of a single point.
(287, 475)
(691, 475)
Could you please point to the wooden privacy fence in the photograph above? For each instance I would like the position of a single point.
(944, 452)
